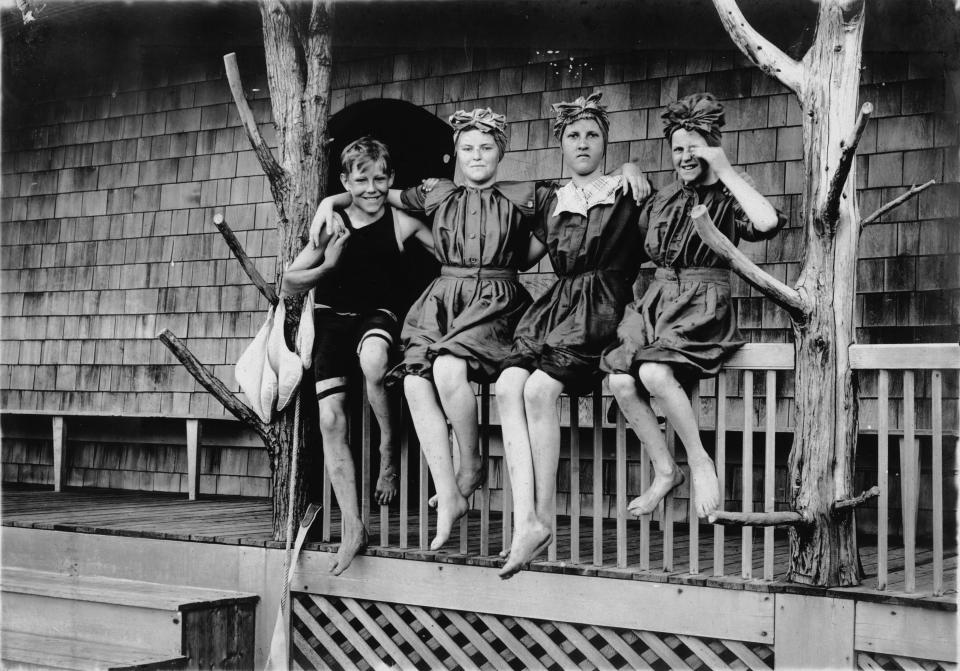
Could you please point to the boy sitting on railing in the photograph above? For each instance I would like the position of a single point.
(357, 278)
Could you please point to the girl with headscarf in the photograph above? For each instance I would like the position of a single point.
(590, 229)
(684, 328)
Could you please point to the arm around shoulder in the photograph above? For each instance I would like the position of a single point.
(411, 227)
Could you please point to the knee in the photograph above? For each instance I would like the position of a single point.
(332, 417)
(509, 386)
(622, 385)
(449, 374)
(540, 395)
(374, 359)
(656, 377)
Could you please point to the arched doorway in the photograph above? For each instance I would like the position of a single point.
(420, 144)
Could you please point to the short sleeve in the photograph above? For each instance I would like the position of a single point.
(543, 193)
(745, 228)
(415, 200)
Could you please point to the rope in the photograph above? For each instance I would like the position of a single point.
(291, 504)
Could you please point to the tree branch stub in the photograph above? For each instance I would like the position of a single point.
(781, 294)
(248, 266)
(848, 149)
(275, 173)
(214, 385)
(763, 53)
(772, 519)
(896, 202)
(850, 504)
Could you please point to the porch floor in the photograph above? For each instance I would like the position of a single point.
(247, 521)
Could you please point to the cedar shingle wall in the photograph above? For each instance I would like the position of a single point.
(109, 190)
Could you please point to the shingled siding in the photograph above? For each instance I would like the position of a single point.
(109, 189)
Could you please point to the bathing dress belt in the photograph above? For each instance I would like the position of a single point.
(474, 273)
(678, 275)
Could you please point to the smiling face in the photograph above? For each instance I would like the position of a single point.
(478, 157)
(368, 185)
(690, 169)
(583, 147)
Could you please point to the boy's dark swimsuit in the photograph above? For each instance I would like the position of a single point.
(364, 299)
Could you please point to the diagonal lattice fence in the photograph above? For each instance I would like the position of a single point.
(343, 633)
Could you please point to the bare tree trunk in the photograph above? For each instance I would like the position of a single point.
(822, 459)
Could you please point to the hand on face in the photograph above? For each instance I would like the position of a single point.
(715, 157)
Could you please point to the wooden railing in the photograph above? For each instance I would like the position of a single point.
(724, 410)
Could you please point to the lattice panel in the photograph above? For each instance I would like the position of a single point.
(873, 661)
(341, 633)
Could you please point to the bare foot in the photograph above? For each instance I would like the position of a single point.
(526, 545)
(468, 481)
(647, 502)
(448, 512)
(706, 487)
(386, 482)
(354, 542)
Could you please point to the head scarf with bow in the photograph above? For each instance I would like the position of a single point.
(700, 112)
(484, 120)
(581, 108)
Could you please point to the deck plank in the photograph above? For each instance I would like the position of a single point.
(236, 520)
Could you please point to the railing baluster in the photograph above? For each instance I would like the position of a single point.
(552, 547)
(936, 380)
(404, 476)
(621, 446)
(883, 455)
(485, 460)
(422, 495)
(909, 470)
(693, 522)
(720, 424)
(327, 505)
(644, 519)
(574, 480)
(507, 496)
(666, 507)
(365, 457)
(769, 469)
(746, 547)
(597, 478)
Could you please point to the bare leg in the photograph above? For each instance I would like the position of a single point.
(339, 464)
(374, 359)
(642, 419)
(431, 428)
(460, 405)
(530, 534)
(660, 380)
(540, 398)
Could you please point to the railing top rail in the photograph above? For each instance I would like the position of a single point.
(929, 356)
(780, 356)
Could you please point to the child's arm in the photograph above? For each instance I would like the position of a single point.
(758, 209)
(324, 219)
(637, 184)
(411, 227)
(535, 252)
(312, 264)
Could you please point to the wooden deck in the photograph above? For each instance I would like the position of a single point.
(246, 521)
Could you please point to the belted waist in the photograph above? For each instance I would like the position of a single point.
(470, 272)
(718, 275)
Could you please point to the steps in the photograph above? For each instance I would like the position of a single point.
(55, 620)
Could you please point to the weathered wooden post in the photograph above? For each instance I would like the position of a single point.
(297, 42)
(823, 544)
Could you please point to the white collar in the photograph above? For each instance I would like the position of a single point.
(577, 200)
